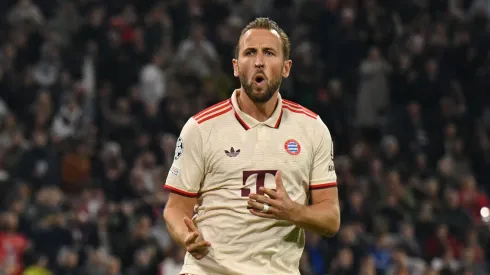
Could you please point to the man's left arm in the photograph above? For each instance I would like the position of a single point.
(323, 215)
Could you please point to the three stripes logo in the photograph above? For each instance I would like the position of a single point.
(232, 153)
(292, 147)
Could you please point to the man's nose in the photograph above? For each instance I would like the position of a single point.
(259, 61)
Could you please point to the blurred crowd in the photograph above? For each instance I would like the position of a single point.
(93, 94)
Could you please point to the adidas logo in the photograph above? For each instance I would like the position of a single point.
(232, 153)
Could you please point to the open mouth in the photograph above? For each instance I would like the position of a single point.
(259, 78)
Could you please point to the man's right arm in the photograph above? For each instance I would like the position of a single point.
(176, 209)
(184, 180)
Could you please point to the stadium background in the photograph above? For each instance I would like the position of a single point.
(94, 93)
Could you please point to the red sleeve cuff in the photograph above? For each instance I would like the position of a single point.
(180, 192)
(323, 185)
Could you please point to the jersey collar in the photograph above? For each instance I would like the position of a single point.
(249, 122)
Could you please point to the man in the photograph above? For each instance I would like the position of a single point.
(250, 164)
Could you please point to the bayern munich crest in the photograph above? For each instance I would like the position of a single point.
(292, 147)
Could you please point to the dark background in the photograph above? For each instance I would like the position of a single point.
(93, 94)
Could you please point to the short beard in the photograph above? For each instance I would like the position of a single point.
(271, 88)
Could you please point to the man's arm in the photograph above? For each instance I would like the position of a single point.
(176, 209)
(177, 215)
(323, 215)
(183, 181)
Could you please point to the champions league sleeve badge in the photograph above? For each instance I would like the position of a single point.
(179, 148)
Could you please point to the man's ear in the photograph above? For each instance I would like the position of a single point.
(235, 67)
(286, 68)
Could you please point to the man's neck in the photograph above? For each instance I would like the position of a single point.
(259, 111)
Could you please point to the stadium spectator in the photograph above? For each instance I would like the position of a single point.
(93, 94)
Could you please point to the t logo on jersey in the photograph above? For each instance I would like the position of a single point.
(259, 182)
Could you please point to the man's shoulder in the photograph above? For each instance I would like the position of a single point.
(213, 112)
(304, 120)
(208, 123)
(301, 115)
(298, 111)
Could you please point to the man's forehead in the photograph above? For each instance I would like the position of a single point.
(261, 37)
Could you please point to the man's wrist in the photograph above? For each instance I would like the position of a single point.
(295, 213)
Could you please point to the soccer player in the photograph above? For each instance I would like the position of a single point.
(245, 169)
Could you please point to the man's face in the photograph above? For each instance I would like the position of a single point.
(260, 65)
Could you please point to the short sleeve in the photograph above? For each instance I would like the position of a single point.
(323, 170)
(187, 170)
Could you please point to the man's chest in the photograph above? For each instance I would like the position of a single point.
(250, 159)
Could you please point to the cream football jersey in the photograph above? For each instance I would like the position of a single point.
(222, 156)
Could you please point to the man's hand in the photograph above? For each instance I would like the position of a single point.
(281, 206)
(194, 242)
